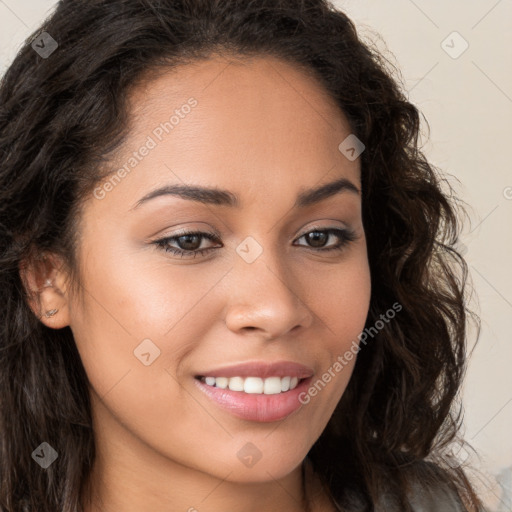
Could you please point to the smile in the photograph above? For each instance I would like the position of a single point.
(253, 385)
(255, 405)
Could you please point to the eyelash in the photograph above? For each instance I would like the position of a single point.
(345, 235)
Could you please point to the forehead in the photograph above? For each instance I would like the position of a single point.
(255, 123)
(224, 80)
(237, 95)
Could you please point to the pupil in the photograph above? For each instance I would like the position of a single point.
(315, 235)
(188, 237)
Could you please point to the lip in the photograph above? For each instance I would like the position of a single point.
(256, 407)
(261, 369)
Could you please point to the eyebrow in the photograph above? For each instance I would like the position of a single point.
(220, 197)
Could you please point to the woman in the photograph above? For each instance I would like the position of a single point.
(228, 277)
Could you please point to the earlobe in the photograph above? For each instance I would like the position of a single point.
(44, 279)
(51, 312)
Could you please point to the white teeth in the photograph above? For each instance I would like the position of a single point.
(210, 381)
(221, 382)
(236, 384)
(254, 385)
(285, 383)
(272, 386)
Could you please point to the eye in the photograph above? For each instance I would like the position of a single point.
(189, 242)
(318, 238)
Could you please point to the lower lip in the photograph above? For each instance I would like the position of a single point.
(256, 407)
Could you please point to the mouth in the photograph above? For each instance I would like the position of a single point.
(255, 399)
(262, 391)
(253, 385)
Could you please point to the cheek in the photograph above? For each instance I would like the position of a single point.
(342, 296)
(131, 297)
(140, 320)
(134, 330)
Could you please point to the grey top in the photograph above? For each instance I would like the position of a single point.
(440, 500)
(423, 499)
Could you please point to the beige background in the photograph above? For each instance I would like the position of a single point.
(466, 96)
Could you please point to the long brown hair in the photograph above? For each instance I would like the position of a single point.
(61, 114)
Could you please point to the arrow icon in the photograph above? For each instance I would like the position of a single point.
(454, 45)
(44, 44)
(249, 455)
(351, 147)
(44, 455)
(249, 253)
(146, 352)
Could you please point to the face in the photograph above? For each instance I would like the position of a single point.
(271, 276)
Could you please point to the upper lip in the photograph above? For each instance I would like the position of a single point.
(261, 369)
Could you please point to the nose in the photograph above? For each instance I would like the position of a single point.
(265, 296)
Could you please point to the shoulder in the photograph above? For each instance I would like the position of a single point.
(428, 499)
(431, 489)
(428, 490)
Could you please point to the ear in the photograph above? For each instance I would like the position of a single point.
(45, 279)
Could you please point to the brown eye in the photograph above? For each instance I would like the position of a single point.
(319, 237)
(188, 243)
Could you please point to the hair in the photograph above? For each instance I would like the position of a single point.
(60, 118)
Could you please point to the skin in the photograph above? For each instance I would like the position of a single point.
(265, 131)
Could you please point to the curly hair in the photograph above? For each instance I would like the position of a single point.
(60, 117)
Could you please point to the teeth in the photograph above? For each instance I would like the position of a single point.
(221, 382)
(272, 386)
(236, 384)
(210, 381)
(253, 385)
